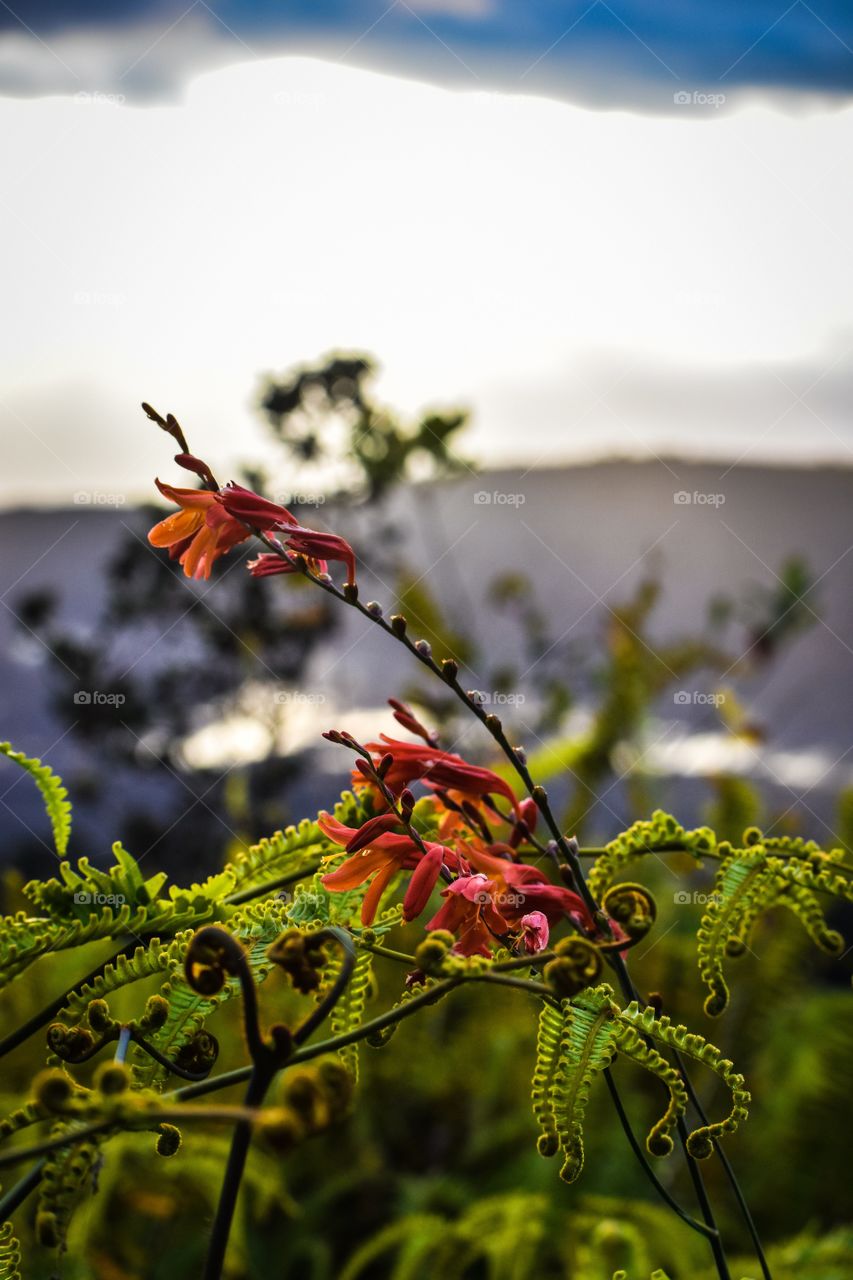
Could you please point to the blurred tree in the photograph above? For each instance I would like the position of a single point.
(174, 662)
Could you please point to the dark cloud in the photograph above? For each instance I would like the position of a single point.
(619, 53)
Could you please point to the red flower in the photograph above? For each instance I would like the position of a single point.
(252, 509)
(419, 761)
(268, 563)
(519, 889)
(469, 911)
(379, 860)
(535, 931)
(199, 533)
(316, 546)
(322, 546)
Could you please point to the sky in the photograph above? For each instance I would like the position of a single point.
(601, 228)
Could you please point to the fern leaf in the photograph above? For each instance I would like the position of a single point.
(700, 1142)
(631, 1044)
(53, 793)
(659, 834)
(297, 850)
(66, 1176)
(548, 1044)
(10, 1254)
(348, 1012)
(257, 925)
(587, 1046)
(744, 887)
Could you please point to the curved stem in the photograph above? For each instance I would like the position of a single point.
(729, 1172)
(16, 1195)
(45, 1015)
(334, 994)
(637, 1148)
(259, 1082)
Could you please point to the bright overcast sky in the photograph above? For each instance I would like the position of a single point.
(584, 280)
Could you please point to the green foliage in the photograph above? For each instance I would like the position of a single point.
(53, 793)
(10, 1254)
(580, 1041)
(750, 882)
(275, 889)
(658, 835)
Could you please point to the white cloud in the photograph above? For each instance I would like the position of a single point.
(480, 244)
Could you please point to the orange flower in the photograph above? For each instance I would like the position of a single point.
(199, 533)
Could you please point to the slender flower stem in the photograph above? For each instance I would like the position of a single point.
(636, 1147)
(145, 1119)
(16, 1195)
(45, 1015)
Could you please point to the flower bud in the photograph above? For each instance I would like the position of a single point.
(53, 1090)
(112, 1078)
(431, 954)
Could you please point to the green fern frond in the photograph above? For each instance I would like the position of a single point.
(587, 1046)
(53, 793)
(805, 905)
(10, 1254)
(744, 887)
(21, 1118)
(700, 1142)
(348, 1012)
(256, 925)
(297, 850)
(66, 1177)
(660, 834)
(146, 961)
(749, 883)
(632, 1045)
(548, 1045)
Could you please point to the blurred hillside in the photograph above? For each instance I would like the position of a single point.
(585, 537)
